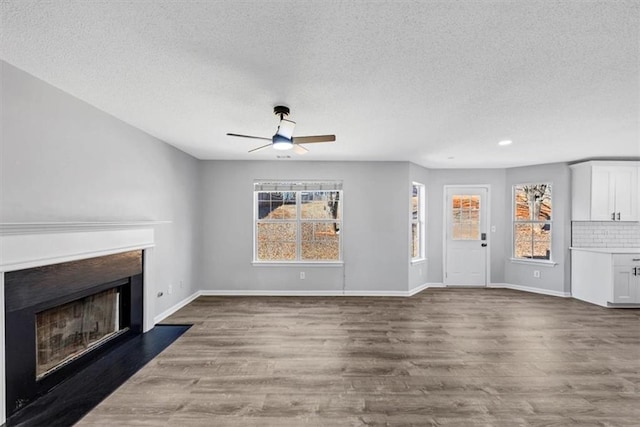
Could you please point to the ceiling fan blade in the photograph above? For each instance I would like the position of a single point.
(248, 136)
(286, 128)
(313, 139)
(299, 149)
(259, 148)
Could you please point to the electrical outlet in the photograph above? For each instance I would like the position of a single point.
(170, 291)
(536, 274)
(493, 228)
(302, 275)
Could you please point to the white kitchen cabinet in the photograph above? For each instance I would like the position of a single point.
(626, 278)
(625, 284)
(605, 191)
(607, 277)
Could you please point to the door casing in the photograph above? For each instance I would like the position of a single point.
(445, 220)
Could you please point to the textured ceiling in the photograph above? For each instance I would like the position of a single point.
(434, 82)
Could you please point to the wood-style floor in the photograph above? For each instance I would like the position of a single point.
(464, 357)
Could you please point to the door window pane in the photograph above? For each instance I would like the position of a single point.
(465, 211)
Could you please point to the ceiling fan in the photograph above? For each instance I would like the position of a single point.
(283, 138)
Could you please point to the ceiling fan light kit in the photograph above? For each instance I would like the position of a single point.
(280, 142)
(283, 138)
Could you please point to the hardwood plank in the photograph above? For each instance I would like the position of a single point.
(445, 357)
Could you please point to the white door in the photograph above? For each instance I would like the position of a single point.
(466, 243)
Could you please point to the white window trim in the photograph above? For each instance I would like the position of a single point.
(515, 260)
(421, 221)
(540, 262)
(305, 263)
(298, 220)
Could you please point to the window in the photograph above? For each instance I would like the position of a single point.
(417, 221)
(298, 222)
(532, 221)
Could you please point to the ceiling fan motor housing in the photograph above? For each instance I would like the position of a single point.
(281, 110)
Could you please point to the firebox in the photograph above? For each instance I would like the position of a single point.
(60, 318)
(66, 332)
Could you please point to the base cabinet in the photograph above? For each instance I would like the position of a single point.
(606, 279)
(626, 285)
(626, 278)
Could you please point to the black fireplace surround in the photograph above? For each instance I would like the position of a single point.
(30, 291)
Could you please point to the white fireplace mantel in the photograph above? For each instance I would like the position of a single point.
(28, 245)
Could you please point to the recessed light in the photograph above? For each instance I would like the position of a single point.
(505, 142)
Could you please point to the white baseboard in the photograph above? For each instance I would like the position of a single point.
(296, 293)
(530, 289)
(418, 289)
(436, 285)
(328, 293)
(335, 293)
(168, 312)
(376, 293)
(269, 293)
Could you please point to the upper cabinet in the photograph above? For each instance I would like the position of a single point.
(605, 191)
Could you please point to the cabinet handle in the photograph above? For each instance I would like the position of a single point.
(635, 259)
(618, 216)
(613, 216)
(635, 271)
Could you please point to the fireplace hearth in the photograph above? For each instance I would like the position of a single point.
(60, 318)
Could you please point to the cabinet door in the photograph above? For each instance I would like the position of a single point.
(602, 193)
(624, 284)
(626, 193)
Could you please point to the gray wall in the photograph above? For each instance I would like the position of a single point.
(553, 278)
(418, 272)
(375, 232)
(438, 178)
(64, 160)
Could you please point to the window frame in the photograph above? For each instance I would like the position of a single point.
(419, 221)
(515, 222)
(299, 221)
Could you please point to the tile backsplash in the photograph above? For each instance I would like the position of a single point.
(593, 234)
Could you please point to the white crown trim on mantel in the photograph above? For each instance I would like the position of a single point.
(28, 245)
(8, 228)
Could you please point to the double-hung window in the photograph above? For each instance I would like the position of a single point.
(532, 221)
(298, 221)
(417, 221)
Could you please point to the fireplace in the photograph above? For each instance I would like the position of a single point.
(66, 332)
(61, 317)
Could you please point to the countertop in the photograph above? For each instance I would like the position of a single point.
(609, 250)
